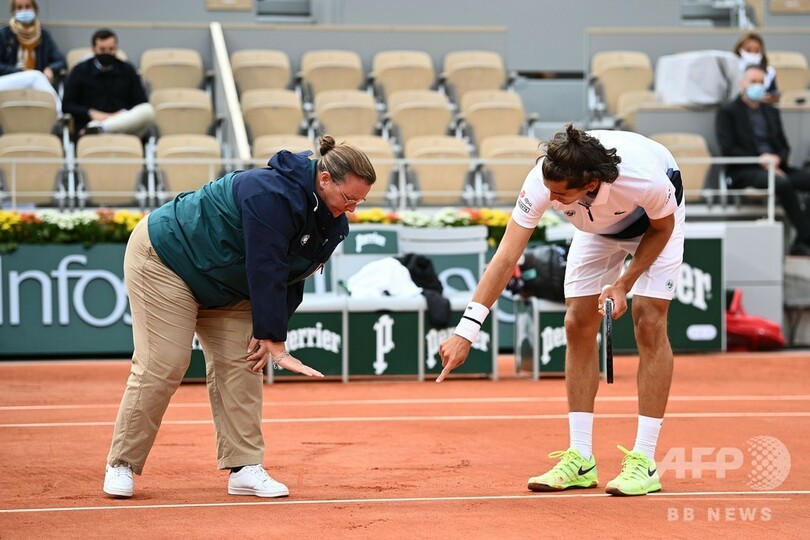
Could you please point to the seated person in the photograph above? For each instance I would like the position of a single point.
(106, 94)
(29, 57)
(751, 50)
(748, 127)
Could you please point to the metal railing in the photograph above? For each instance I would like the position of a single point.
(153, 186)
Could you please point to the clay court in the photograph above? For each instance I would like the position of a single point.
(404, 459)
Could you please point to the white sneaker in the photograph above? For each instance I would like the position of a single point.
(254, 480)
(118, 480)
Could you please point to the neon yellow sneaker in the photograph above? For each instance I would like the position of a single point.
(572, 471)
(639, 475)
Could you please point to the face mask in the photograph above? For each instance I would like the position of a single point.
(755, 92)
(751, 58)
(106, 60)
(26, 16)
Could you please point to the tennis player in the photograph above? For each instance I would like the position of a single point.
(624, 195)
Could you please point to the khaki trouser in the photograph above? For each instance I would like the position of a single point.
(165, 316)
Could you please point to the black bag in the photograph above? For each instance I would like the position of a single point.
(541, 273)
(424, 275)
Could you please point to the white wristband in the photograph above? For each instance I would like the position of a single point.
(470, 324)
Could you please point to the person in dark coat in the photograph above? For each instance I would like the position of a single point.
(748, 127)
(228, 262)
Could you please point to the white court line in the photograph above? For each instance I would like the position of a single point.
(731, 494)
(460, 418)
(417, 401)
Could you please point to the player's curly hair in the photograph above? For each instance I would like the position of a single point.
(578, 159)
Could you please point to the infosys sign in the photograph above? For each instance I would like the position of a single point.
(64, 300)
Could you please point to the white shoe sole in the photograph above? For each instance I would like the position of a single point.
(122, 493)
(248, 491)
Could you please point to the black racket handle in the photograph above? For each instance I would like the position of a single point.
(609, 340)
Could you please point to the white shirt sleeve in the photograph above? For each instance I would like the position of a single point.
(659, 198)
(533, 200)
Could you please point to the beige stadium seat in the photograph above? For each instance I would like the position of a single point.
(272, 112)
(792, 71)
(203, 153)
(255, 69)
(616, 72)
(492, 112)
(630, 102)
(382, 158)
(473, 70)
(346, 112)
(331, 70)
(182, 111)
(506, 179)
(795, 99)
(33, 182)
(267, 146)
(402, 70)
(80, 54)
(687, 146)
(419, 112)
(172, 68)
(110, 182)
(444, 181)
(27, 111)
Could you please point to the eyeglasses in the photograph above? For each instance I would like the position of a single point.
(349, 201)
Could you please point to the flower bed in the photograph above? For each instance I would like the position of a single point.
(86, 227)
(494, 219)
(91, 227)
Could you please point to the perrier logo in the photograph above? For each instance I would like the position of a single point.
(434, 338)
(694, 287)
(384, 332)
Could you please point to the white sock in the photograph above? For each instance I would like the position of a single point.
(647, 435)
(580, 427)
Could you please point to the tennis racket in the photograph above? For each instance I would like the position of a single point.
(609, 340)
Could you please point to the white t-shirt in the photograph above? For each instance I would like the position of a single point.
(642, 186)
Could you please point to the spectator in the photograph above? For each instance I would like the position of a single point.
(749, 127)
(29, 57)
(106, 94)
(751, 50)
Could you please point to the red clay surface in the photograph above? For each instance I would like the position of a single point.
(404, 459)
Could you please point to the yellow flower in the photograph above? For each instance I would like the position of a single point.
(9, 218)
(372, 215)
(494, 217)
(127, 218)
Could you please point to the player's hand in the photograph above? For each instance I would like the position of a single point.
(454, 351)
(619, 297)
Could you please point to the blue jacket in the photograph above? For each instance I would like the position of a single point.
(48, 54)
(255, 234)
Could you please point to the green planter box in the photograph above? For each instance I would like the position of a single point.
(64, 300)
(540, 338)
(483, 357)
(385, 336)
(697, 319)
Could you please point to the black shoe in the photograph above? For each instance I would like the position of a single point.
(93, 130)
(800, 249)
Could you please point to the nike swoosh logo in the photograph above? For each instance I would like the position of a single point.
(619, 213)
(651, 471)
(585, 471)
